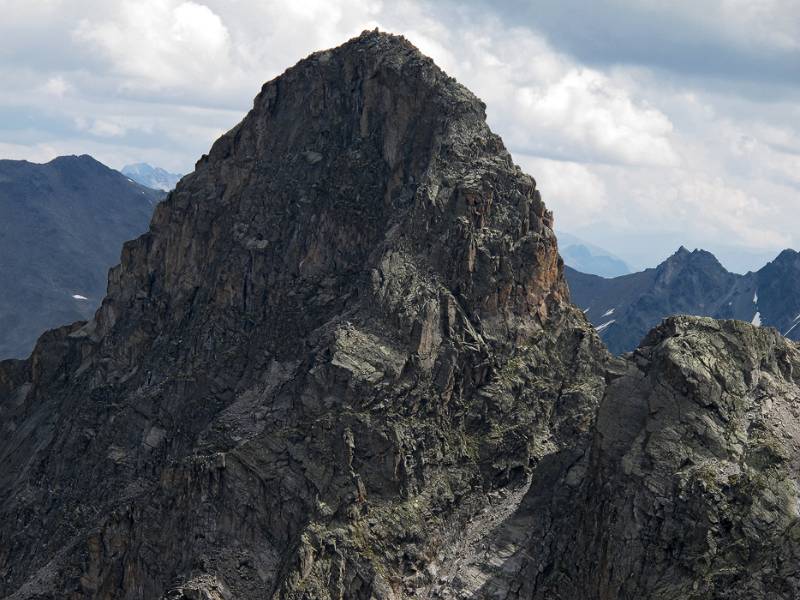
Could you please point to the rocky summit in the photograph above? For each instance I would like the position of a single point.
(343, 364)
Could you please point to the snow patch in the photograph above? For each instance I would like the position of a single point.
(605, 325)
(756, 319)
(755, 297)
(610, 311)
(79, 297)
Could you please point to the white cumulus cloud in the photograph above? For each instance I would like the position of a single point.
(625, 146)
(161, 44)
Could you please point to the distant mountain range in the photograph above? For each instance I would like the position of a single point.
(623, 309)
(152, 177)
(62, 225)
(588, 258)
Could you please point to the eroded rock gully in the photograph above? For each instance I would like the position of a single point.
(343, 364)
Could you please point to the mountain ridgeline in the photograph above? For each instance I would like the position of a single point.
(62, 225)
(588, 258)
(342, 364)
(152, 177)
(624, 309)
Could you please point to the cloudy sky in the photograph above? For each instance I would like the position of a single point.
(647, 124)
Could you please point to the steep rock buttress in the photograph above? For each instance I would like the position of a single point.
(345, 336)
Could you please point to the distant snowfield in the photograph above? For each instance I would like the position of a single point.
(153, 177)
(79, 297)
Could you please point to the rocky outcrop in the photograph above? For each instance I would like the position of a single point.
(344, 333)
(342, 364)
(690, 487)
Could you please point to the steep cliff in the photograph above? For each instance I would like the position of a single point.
(345, 336)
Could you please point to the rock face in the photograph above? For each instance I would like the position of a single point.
(61, 228)
(690, 487)
(342, 364)
(625, 308)
(343, 331)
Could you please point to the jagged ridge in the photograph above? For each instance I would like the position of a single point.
(625, 308)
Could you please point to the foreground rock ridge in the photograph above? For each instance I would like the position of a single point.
(342, 364)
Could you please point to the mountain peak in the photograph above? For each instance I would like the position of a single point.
(83, 162)
(150, 176)
(371, 61)
(386, 46)
(355, 150)
(380, 42)
(691, 283)
(697, 258)
(787, 256)
(66, 160)
(357, 260)
(63, 225)
(75, 159)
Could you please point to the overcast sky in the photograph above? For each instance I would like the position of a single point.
(647, 124)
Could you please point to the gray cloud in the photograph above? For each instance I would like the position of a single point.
(723, 39)
(647, 124)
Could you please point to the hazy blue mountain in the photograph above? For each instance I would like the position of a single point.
(624, 308)
(152, 177)
(645, 249)
(588, 258)
(62, 225)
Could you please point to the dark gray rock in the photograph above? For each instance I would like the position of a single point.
(343, 335)
(689, 489)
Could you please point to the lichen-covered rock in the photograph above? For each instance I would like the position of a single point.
(690, 488)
